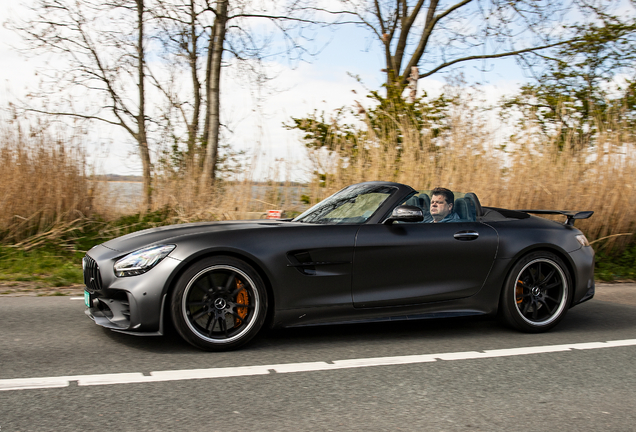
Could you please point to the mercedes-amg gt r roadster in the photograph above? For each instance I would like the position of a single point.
(370, 252)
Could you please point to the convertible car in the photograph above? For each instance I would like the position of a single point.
(367, 253)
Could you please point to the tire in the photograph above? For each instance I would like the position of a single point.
(219, 304)
(537, 293)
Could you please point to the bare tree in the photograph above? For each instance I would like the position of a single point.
(182, 36)
(104, 62)
(244, 30)
(237, 32)
(213, 92)
(437, 35)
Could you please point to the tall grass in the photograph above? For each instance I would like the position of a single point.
(43, 185)
(47, 194)
(45, 189)
(529, 173)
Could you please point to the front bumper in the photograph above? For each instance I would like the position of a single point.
(117, 320)
(133, 304)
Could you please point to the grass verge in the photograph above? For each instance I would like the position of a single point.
(58, 261)
(46, 267)
(616, 266)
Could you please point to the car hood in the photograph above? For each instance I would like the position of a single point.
(172, 233)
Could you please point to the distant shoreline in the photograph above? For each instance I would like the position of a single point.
(118, 181)
(118, 178)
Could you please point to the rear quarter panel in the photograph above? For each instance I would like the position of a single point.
(518, 237)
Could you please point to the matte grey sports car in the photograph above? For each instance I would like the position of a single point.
(366, 253)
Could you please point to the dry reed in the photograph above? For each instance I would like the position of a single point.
(43, 185)
(532, 173)
(228, 200)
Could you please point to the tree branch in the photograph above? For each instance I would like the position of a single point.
(407, 23)
(82, 116)
(489, 56)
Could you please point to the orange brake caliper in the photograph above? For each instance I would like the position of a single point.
(519, 292)
(242, 299)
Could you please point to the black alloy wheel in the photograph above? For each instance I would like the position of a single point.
(219, 303)
(537, 293)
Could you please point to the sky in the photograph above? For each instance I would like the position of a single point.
(324, 83)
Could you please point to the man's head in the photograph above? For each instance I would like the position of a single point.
(442, 202)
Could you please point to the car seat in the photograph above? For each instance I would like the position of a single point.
(461, 208)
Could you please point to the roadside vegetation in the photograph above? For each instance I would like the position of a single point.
(566, 140)
(53, 211)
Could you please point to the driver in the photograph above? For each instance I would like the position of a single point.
(442, 203)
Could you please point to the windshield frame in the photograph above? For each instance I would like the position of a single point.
(343, 197)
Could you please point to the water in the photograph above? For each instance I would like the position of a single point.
(127, 197)
(120, 196)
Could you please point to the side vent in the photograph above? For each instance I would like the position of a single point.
(303, 262)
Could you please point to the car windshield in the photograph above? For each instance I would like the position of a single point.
(352, 205)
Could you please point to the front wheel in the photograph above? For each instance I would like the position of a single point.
(219, 304)
(537, 293)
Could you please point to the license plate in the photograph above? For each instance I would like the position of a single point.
(87, 299)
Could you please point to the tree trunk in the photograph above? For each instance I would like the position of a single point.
(193, 127)
(214, 77)
(208, 72)
(141, 116)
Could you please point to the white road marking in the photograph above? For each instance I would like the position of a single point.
(188, 374)
(77, 298)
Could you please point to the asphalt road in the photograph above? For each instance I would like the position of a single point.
(569, 389)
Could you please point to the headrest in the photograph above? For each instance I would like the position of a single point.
(475, 201)
(461, 208)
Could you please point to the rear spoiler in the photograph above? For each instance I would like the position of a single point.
(570, 215)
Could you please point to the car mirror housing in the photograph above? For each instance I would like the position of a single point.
(406, 213)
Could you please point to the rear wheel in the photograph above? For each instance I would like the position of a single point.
(219, 303)
(537, 293)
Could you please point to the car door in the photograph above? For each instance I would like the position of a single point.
(312, 264)
(406, 264)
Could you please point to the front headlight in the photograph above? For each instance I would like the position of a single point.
(142, 260)
(583, 240)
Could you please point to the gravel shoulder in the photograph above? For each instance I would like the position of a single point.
(36, 289)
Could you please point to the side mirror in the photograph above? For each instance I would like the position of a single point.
(405, 213)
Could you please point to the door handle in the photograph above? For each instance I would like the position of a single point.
(466, 235)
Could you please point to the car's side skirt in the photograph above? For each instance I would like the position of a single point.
(348, 314)
(423, 316)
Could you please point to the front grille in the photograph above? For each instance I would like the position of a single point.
(92, 277)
